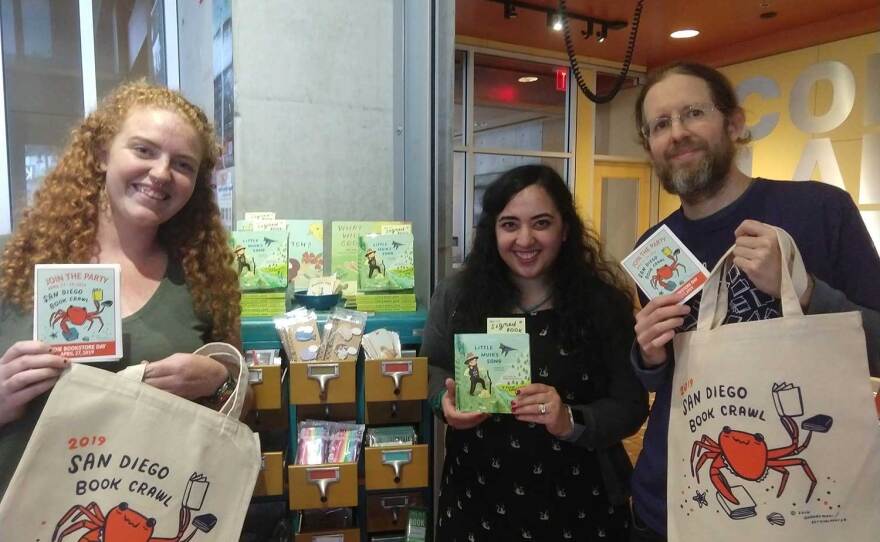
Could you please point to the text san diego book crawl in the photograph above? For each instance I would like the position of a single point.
(77, 312)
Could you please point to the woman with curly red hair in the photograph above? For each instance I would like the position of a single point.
(131, 188)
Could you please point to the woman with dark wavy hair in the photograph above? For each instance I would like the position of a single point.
(132, 188)
(555, 469)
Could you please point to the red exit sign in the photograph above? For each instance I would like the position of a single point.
(562, 79)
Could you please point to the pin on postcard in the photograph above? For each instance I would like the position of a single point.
(77, 310)
(663, 265)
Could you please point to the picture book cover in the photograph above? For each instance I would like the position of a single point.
(385, 262)
(489, 368)
(663, 265)
(260, 259)
(344, 241)
(305, 251)
(305, 246)
(77, 312)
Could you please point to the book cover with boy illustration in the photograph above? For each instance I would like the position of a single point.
(305, 246)
(386, 262)
(260, 259)
(76, 310)
(489, 368)
(344, 253)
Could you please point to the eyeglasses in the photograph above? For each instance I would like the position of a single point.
(689, 116)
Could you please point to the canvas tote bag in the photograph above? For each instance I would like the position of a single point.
(117, 460)
(772, 430)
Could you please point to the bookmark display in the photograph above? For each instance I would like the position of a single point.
(298, 331)
(343, 333)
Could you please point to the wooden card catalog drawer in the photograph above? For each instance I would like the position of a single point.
(322, 486)
(396, 379)
(396, 467)
(270, 480)
(322, 382)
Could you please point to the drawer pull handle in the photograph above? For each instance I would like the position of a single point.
(323, 373)
(395, 504)
(323, 477)
(396, 459)
(397, 369)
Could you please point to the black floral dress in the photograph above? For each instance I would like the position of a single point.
(506, 480)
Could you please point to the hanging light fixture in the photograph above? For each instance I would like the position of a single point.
(588, 33)
(602, 34)
(595, 26)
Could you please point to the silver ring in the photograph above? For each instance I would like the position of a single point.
(542, 408)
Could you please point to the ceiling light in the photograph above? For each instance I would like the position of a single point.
(527, 79)
(602, 34)
(557, 21)
(684, 34)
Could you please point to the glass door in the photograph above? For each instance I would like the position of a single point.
(621, 205)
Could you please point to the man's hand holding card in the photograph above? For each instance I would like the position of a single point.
(668, 274)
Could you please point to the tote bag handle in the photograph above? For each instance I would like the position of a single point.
(229, 355)
(226, 354)
(713, 304)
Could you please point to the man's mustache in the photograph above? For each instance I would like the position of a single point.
(685, 146)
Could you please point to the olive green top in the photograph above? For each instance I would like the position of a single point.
(165, 325)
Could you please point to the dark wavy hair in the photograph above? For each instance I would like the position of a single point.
(720, 88)
(589, 294)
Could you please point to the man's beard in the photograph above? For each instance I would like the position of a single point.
(702, 180)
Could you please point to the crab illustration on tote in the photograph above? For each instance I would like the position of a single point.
(747, 455)
(123, 524)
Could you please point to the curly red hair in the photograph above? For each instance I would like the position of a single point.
(62, 223)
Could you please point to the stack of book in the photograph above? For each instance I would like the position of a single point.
(386, 302)
(374, 256)
(273, 258)
(263, 303)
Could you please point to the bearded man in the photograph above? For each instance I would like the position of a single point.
(691, 124)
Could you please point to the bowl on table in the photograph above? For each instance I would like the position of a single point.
(316, 302)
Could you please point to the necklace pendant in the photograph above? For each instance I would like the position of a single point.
(533, 310)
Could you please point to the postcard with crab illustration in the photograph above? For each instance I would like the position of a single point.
(386, 262)
(76, 310)
(663, 265)
(489, 368)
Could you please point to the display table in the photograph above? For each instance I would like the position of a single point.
(372, 487)
(260, 332)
